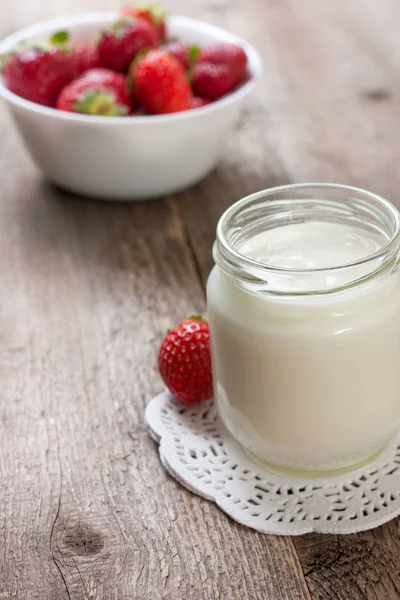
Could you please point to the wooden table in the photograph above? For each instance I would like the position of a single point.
(88, 289)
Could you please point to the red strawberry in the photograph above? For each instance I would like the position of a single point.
(37, 74)
(179, 50)
(160, 83)
(84, 57)
(197, 102)
(154, 13)
(222, 53)
(213, 81)
(97, 92)
(187, 55)
(120, 44)
(184, 361)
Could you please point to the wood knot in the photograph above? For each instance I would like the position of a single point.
(83, 541)
(377, 95)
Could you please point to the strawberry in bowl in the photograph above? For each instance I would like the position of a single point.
(97, 92)
(153, 13)
(37, 74)
(157, 129)
(123, 40)
(160, 83)
(220, 68)
(85, 56)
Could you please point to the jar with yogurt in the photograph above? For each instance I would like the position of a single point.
(304, 311)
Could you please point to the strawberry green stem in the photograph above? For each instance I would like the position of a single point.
(102, 103)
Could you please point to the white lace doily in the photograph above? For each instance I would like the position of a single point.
(197, 450)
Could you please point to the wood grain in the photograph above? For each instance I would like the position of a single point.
(86, 510)
(87, 290)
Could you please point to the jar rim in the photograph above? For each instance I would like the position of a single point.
(226, 255)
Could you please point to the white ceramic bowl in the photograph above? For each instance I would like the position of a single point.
(127, 158)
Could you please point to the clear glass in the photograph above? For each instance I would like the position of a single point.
(306, 361)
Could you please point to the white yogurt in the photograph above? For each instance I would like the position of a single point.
(308, 382)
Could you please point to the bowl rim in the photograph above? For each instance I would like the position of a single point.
(254, 61)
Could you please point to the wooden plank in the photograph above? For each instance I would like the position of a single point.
(326, 110)
(86, 510)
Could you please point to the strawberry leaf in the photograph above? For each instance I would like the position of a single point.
(100, 103)
(59, 38)
(194, 53)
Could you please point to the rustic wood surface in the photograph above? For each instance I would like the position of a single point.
(87, 290)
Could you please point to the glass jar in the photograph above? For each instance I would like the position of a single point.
(304, 311)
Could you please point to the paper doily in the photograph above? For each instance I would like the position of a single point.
(200, 453)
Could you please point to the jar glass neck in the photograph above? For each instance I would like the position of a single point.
(260, 213)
